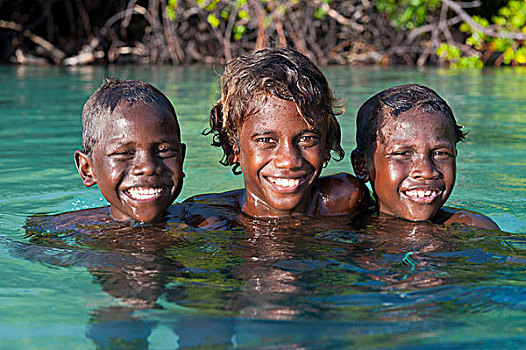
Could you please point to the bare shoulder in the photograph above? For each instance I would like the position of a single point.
(212, 210)
(449, 216)
(68, 220)
(66, 229)
(341, 194)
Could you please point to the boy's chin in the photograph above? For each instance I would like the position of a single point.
(416, 216)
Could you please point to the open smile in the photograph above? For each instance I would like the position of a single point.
(422, 196)
(145, 193)
(284, 184)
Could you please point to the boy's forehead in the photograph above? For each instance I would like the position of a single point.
(261, 104)
(273, 108)
(134, 111)
(129, 116)
(415, 121)
(416, 116)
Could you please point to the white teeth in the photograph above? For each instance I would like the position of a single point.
(283, 182)
(420, 193)
(141, 193)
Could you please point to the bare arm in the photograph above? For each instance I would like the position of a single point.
(470, 218)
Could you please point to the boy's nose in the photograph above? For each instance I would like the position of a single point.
(424, 167)
(287, 157)
(145, 163)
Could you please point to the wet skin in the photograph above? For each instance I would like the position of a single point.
(334, 195)
(137, 164)
(413, 169)
(281, 157)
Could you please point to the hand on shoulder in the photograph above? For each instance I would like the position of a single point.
(341, 194)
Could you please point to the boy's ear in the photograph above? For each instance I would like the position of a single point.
(327, 154)
(183, 152)
(233, 158)
(359, 165)
(85, 168)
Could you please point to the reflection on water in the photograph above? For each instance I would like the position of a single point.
(297, 283)
(294, 282)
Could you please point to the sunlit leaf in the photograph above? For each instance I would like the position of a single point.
(320, 13)
(243, 14)
(213, 20)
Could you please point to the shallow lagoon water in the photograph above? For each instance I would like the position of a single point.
(296, 284)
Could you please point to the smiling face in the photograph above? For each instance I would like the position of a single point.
(137, 164)
(281, 157)
(413, 169)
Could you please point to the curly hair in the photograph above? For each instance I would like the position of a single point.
(104, 101)
(282, 73)
(395, 101)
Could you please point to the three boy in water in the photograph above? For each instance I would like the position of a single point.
(276, 121)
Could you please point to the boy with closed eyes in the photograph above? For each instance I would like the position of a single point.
(132, 149)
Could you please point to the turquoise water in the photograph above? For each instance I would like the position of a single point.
(295, 284)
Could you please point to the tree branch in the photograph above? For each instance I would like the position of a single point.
(339, 17)
(56, 54)
(457, 8)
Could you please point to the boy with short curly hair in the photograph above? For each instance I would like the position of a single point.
(406, 140)
(131, 149)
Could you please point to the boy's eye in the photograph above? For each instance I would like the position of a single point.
(308, 140)
(265, 142)
(400, 154)
(443, 155)
(122, 154)
(166, 152)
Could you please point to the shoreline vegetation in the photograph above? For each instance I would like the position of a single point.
(445, 33)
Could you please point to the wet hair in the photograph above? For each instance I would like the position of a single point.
(107, 97)
(393, 102)
(282, 73)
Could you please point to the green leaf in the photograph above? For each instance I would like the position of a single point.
(213, 20)
(448, 52)
(243, 14)
(520, 56)
(481, 21)
(211, 6)
(170, 9)
(320, 13)
(501, 45)
(509, 55)
(466, 28)
(239, 31)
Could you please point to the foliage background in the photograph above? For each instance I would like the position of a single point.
(349, 32)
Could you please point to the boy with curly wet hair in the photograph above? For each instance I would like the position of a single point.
(276, 121)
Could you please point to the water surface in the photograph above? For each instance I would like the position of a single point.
(300, 283)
